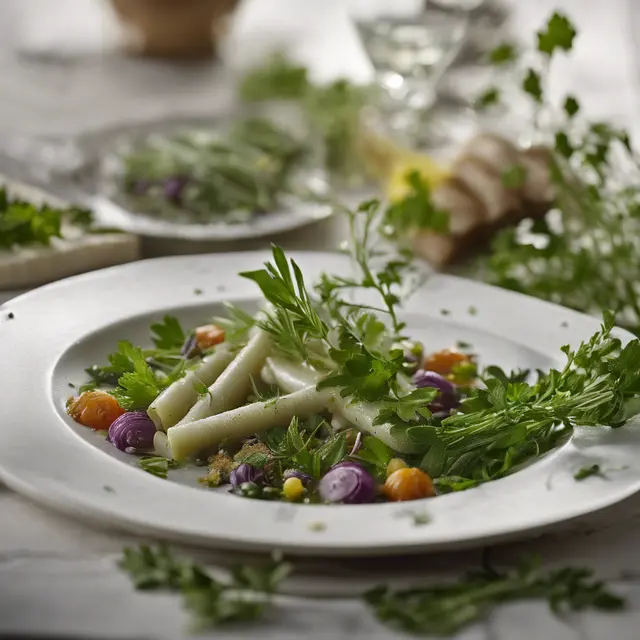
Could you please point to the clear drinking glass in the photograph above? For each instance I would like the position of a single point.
(410, 43)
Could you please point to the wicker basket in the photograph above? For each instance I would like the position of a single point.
(175, 28)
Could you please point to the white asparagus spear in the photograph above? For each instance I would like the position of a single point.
(189, 439)
(174, 402)
(290, 377)
(234, 384)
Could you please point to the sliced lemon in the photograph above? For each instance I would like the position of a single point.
(430, 170)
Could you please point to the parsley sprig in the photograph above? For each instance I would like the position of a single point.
(444, 609)
(585, 254)
(22, 223)
(509, 422)
(244, 597)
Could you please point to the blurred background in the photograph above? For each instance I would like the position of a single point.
(76, 74)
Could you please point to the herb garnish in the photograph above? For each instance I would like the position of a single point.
(243, 597)
(331, 110)
(22, 223)
(587, 472)
(584, 254)
(292, 449)
(157, 465)
(444, 609)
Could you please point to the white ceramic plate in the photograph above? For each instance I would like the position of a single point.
(100, 174)
(59, 329)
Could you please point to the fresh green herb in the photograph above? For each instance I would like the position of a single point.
(138, 386)
(157, 465)
(415, 211)
(279, 79)
(168, 334)
(242, 598)
(294, 319)
(488, 98)
(583, 255)
(501, 427)
(532, 84)
(464, 346)
(236, 325)
(571, 106)
(587, 472)
(202, 389)
(197, 291)
(331, 110)
(108, 489)
(22, 223)
(503, 54)
(318, 527)
(514, 177)
(472, 311)
(445, 312)
(293, 449)
(559, 33)
(445, 609)
(375, 454)
(206, 174)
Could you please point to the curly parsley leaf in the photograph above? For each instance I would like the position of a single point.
(138, 385)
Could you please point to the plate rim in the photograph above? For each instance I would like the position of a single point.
(319, 543)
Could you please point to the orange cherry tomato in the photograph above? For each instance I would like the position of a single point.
(95, 409)
(408, 484)
(209, 335)
(442, 362)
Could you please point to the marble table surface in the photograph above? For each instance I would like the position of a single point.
(57, 575)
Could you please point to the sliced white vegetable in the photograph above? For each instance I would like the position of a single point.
(188, 440)
(233, 386)
(174, 402)
(291, 377)
(161, 444)
(362, 415)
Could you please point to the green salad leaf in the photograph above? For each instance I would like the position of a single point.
(23, 223)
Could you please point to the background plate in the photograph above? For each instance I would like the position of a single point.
(61, 328)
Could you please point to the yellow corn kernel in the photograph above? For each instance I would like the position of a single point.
(292, 489)
(395, 464)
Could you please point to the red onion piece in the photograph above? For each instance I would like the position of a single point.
(349, 483)
(246, 473)
(132, 432)
(447, 399)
